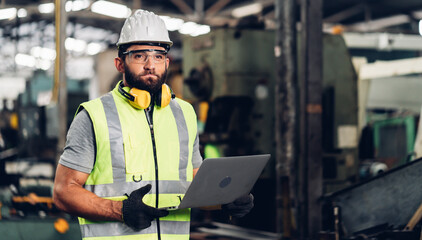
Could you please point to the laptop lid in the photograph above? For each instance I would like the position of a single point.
(223, 180)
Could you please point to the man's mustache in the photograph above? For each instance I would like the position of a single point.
(148, 73)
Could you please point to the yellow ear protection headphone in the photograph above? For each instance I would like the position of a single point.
(141, 99)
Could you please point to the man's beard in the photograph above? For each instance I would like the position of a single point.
(150, 85)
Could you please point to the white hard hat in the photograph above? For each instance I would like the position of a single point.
(144, 27)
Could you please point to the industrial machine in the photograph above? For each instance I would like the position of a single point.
(233, 71)
(27, 169)
(27, 210)
(388, 206)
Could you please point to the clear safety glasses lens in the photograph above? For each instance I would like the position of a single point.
(142, 56)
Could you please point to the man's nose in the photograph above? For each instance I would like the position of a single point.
(149, 64)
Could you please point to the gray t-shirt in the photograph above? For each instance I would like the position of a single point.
(80, 150)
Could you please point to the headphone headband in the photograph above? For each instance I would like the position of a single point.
(124, 93)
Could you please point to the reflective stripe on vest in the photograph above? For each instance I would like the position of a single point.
(183, 139)
(115, 138)
(119, 189)
(120, 229)
(178, 221)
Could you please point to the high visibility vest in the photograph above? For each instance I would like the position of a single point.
(128, 152)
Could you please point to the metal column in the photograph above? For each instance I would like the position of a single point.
(199, 10)
(60, 87)
(286, 108)
(311, 118)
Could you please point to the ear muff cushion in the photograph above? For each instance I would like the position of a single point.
(165, 95)
(142, 98)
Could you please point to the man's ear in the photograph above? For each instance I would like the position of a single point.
(118, 62)
(167, 63)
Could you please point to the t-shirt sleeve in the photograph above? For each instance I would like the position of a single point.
(79, 151)
(196, 155)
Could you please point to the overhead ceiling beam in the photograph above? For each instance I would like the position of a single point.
(183, 7)
(383, 41)
(417, 14)
(264, 3)
(137, 4)
(216, 7)
(378, 24)
(391, 68)
(345, 14)
(199, 10)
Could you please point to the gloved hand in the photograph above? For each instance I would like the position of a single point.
(240, 207)
(136, 214)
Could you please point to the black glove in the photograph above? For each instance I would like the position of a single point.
(240, 207)
(136, 214)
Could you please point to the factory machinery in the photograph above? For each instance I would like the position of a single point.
(27, 163)
(230, 78)
(386, 207)
(232, 73)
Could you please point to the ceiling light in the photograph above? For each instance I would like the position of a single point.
(77, 5)
(172, 24)
(111, 9)
(201, 30)
(68, 6)
(247, 10)
(7, 13)
(43, 64)
(25, 60)
(188, 28)
(46, 8)
(76, 45)
(94, 48)
(43, 53)
(22, 13)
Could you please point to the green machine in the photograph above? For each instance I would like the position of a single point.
(394, 140)
(27, 170)
(234, 71)
(28, 213)
(36, 229)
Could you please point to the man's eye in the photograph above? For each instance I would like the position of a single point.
(138, 56)
(159, 56)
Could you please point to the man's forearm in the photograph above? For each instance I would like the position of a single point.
(70, 196)
(83, 203)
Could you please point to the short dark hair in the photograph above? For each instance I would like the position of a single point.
(123, 48)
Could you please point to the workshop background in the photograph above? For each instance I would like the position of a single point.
(332, 89)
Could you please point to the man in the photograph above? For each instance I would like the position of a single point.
(135, 149)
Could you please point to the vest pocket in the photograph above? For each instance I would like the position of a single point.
(136, 155)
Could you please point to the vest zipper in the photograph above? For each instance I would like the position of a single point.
(151, 128)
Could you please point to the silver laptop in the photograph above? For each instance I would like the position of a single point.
(222, 180)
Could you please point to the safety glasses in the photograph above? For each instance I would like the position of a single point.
(142, 56)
